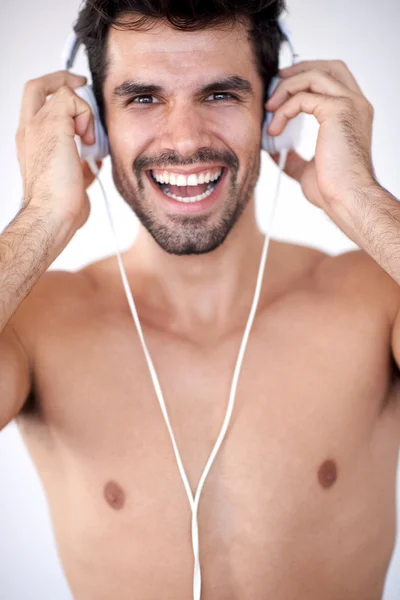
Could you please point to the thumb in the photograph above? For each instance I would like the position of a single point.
(295, 164)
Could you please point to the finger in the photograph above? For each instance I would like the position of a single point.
(312, 104)
(337, 68)
(37, 90)
(65, 103)
(307, 81)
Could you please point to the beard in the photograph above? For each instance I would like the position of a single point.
(187, 235)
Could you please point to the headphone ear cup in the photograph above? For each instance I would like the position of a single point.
(268, 142)
(100, 149)
(290, 137)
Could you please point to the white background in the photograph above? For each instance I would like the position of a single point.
(362, 32)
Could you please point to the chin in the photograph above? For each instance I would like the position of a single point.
(187, 236)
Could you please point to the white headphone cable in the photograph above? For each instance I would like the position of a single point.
(194, 502)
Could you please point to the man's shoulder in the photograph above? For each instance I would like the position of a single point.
(55, 286)
(297, 261)
(357, 275)
(353, 277)
(55, 293)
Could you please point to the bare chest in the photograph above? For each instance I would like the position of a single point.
(307, 465)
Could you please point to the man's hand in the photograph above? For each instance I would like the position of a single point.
(54, 178)
(342, 162)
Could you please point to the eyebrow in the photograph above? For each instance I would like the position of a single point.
(130, 88)
(233, 83)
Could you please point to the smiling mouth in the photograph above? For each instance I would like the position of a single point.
(188, 193)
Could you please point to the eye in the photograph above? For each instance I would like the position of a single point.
(136, 100)
(224, 96)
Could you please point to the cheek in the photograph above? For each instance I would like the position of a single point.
(126, 134)
(239, 132)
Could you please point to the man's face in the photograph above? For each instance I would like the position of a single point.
(182, 128)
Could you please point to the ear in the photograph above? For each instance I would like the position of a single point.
(87, 173)
(295, 164)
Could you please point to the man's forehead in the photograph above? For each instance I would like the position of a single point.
(164, 44)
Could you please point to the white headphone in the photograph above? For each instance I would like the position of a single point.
(282, 144)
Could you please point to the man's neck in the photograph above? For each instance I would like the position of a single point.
(209, 291)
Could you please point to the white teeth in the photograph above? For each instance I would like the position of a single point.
(192, 180)
(182, 180)
(190, 200)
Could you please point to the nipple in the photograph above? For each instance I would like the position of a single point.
(327, 474)
(114, 495)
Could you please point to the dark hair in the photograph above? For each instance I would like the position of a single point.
(97, 16)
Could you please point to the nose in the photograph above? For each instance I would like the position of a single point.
(185, 130)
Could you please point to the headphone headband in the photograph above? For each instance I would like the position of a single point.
(70, 51)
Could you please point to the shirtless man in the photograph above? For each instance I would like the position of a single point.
(300, 502)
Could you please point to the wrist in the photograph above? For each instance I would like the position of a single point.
(56, 229)
(369, 210)
(57, 222)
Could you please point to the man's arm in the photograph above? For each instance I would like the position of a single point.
(340, 179)
(51, 214)
(374, 225)
(27, 247)
(372, 221)
(15, 375)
